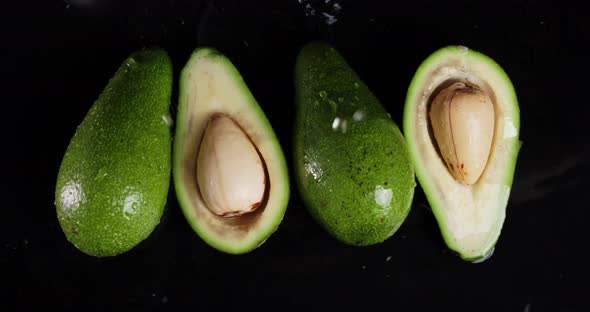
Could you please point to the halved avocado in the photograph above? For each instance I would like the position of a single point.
(209, 86)
(470, 217)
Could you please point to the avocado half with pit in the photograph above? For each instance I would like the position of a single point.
(462, 122)
(229, 170)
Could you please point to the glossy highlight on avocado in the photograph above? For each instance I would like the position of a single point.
(352, 166)
(114, 177)
(230, 173)
(470, 211)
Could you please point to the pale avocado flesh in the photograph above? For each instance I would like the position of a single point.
(470, 217)
(210, 84)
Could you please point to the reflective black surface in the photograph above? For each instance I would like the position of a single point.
(60, 55)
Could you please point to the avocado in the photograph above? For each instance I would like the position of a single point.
(351, 161)
(115, 174)
(461, 122)
(230, 173)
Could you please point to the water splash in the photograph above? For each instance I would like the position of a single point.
(325, 11)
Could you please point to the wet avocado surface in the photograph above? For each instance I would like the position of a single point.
(59, 60)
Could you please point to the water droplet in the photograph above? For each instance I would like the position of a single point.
(340, 124)
(527, 308)
(358, 115)
(323, 94)
(341, 100)
(101, 173)
(388, 259)
(131, 62)
(344, 126)
(164, 299)
(181, 22)
(312, 167)
(486, 257)
(463, 49)
(168, 120)
(336, 123)
(356, 85)
(329, 19)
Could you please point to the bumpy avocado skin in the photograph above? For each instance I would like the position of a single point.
(114, 177)
(351, 161)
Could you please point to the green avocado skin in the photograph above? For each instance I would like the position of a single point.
(351, 161)
(114, 177)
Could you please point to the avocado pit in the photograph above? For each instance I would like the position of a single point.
(462, 121)
(230, 171)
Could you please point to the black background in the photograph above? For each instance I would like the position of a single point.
(59, 55)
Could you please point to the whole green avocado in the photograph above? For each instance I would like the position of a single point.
(114, 178)
(351, 161)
